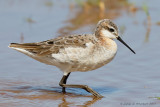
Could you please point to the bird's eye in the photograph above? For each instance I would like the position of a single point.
(111, 29)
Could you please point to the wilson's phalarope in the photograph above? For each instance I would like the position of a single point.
(76, 52)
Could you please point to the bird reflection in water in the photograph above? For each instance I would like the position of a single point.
(45, 94)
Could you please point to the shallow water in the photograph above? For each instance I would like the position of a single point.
(129, 80)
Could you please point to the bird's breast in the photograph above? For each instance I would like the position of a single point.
(104, 53)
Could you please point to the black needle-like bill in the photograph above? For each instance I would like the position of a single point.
(125, 44)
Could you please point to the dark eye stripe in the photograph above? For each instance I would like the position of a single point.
(111, 29)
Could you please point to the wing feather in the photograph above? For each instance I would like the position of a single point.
(53, 46)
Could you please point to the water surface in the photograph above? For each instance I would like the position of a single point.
(128, 80)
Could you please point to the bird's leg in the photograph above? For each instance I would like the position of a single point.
(63, 81)
(85, 87)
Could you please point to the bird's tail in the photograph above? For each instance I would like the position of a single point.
(33, 48)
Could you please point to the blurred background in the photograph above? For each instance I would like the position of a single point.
(128, 80)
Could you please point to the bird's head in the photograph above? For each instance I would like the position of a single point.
(108, 29)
